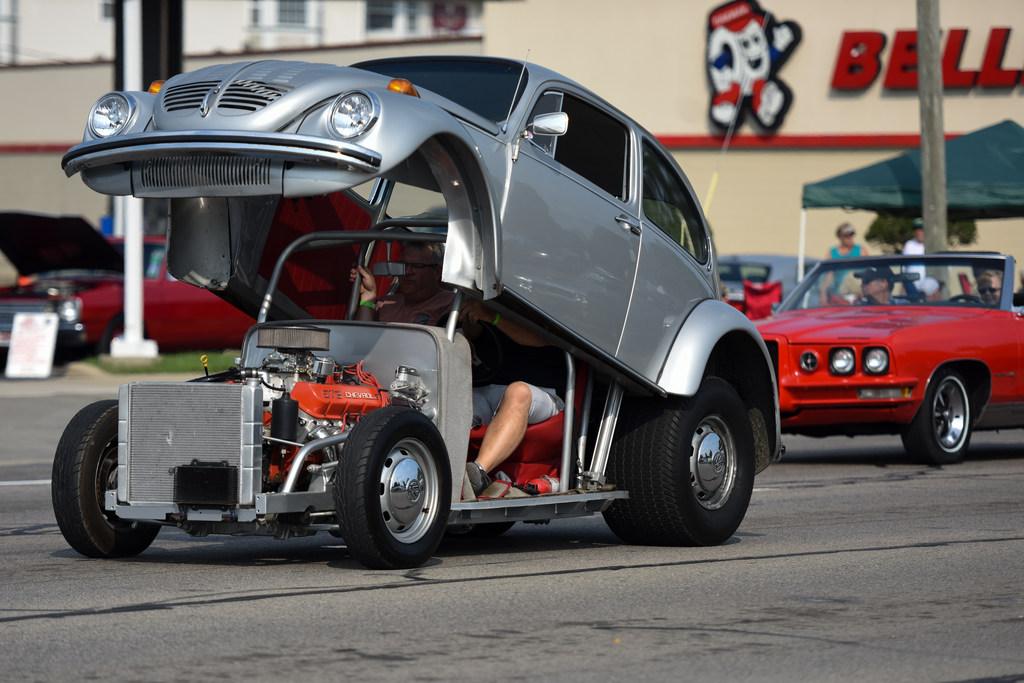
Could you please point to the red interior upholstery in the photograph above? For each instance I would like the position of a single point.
(540, 452)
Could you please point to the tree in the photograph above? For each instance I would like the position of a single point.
(889, 233)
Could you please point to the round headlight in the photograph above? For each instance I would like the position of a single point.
(876, 361)
(809, 361)
(842, 361)
(352, 114)
(110, 115)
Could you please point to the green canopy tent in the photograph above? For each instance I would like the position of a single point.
(984, 179)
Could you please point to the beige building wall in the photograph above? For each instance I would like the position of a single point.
(648, 59)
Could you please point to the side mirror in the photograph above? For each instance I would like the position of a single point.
(556, 123)
(389, 269)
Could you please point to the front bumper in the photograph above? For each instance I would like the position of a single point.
(219, 164)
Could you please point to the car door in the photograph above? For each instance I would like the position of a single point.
(673, 274)
(569, 242)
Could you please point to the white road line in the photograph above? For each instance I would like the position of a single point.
(26, 482)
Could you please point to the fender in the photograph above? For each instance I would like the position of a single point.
(709, 322)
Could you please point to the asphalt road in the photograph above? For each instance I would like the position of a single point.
(852, 564)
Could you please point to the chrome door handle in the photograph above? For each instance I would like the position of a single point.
(627, 223)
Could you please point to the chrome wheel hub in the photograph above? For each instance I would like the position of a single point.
(949, 414)
(409, 489)
(712, 462)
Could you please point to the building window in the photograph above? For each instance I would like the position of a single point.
(254, 13)
(380, 16)
(107, 9)
(291, 12)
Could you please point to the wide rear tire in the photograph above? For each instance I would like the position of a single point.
(84, 468)
(688, 465)
(392, 493)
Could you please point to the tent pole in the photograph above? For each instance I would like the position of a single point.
(802, 248)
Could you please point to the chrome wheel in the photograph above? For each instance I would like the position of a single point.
(409, 491)
(712, 462)
(949, 413)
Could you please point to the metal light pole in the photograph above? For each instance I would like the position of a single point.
(128, 210)
(933, 141)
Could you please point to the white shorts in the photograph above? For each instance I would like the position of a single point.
(544, 406)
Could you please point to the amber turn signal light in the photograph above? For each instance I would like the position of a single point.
(403, 86)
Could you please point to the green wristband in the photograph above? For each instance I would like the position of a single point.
(368, 304)
(497, 317)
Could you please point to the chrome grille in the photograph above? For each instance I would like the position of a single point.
(212, 171)
(167, 425)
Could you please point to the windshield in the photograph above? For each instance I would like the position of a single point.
(954, 280)
(484, 86)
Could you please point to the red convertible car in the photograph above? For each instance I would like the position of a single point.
(65, 266)
(929, 347)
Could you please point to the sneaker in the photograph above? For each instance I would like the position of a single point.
(478, 479)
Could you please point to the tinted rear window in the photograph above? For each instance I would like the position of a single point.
(485, 87)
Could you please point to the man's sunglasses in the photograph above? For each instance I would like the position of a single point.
(419, 267)
(989, 290)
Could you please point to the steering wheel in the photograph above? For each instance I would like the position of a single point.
(488, 355)
(966, 297)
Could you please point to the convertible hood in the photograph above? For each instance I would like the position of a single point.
(860, 323)
(37, 244)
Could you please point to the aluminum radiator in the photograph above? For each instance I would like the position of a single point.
(191, 443)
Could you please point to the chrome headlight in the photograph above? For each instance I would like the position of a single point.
(110, 115)
(842, 361)
(876, 361)
(70, 310)
(353, 114)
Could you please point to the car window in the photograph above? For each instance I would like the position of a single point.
(596, 146)
(668, 205)
(751, 272)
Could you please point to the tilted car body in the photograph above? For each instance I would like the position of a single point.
(934, 364)
(70, 269)
(554, 208)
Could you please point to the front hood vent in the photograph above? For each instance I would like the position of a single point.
(243, 95)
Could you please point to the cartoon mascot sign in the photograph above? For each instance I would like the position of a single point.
(746, 48)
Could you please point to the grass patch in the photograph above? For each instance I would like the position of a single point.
(183, 362)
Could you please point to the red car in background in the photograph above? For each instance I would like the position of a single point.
(928, 347)
(65, 266)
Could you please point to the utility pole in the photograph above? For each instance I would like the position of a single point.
(933, 139)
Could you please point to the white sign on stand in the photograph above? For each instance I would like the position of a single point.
(33, 342)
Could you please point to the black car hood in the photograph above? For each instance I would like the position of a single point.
(37, 244)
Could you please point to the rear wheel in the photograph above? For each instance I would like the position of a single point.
(84, 469)
(392, 493)
(688, 465)
(941, 430)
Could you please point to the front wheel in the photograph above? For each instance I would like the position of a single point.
(688, 465)
(393, 489)
(84, 469)
(941, 430)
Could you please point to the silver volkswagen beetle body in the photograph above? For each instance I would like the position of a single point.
(554, 207)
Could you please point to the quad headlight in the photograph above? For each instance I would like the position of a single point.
(353, 114)
(876, 361)
(842, 361)
(110, 115)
